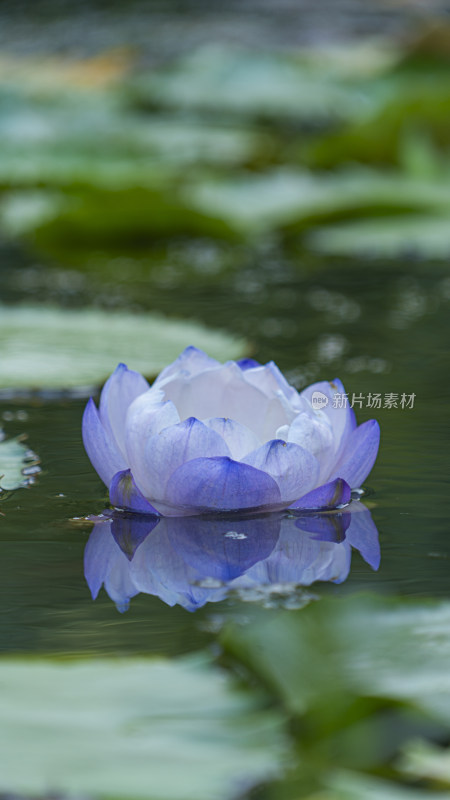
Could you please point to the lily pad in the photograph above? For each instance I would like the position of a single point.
(292, 197)
(18, 464)
(99, 141)
(252, 83)
(425, 236)
(51, 348)
(156, 730)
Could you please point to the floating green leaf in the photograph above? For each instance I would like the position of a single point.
(415, 103)
(46, 347)
(396, 237)
(98, 140)
(155, 730)
(292, 197)
(17, 464)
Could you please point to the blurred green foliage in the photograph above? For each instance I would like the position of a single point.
(229, 144)
(362, 679)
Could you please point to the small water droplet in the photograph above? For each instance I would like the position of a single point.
(234, 535)
(209, 583)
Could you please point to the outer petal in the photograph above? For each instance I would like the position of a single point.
(219, 484)
(118, 393)
(294, 469)
(359, 454)
(123, 493)
(325, 498)
(240, 439)
(168, 450)
(100, 445)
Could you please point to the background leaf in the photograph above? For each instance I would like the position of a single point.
(156, 730)
(45, 347)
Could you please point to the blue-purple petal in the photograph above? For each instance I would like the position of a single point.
(294, 469)
(169, 449)
(123, 493)
(247, 363)
(359, 454)
(219, 484)
(100, 445)
(325, 498)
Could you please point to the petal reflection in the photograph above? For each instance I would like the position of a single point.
(191, 561)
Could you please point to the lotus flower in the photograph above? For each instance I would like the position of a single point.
(191, 561)
(209, 437)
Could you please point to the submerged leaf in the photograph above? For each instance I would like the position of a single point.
(46, 347)
(141, 728)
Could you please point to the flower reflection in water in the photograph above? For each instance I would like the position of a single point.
(195, 560)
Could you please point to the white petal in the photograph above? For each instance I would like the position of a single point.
(240, 439)
(146, 417)
(313, 433)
